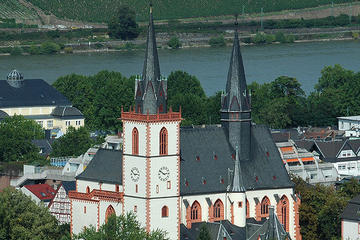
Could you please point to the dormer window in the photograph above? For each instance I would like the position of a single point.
(215, 157)
(197, 158)
(203, 180)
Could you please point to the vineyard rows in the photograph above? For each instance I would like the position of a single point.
(103, 10)
(14, 9)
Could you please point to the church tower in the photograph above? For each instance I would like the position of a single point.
(151, 150)
(150, 87)
(235, 104)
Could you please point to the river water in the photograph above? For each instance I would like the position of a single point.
(264, 63)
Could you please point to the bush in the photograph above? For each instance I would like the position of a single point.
(174, 43)
(290, 38)
(355, 35)
(68, 50)
(217, 41)
(49, 48)
(270, 38)
(16, 51)
(259, 38)
(34, 50)
(280, 37)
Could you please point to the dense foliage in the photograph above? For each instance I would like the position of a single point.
(98, 97)
(120, 228)
(15, 142)
(23, 219)
(321, 207)
(174, 43)
(74, 143)
(102, 10)
(123, 25)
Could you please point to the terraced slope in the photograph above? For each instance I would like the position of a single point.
(14, 9)
(102, 10)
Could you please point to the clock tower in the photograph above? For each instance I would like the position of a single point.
(151, 150)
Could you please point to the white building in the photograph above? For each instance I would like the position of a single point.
(60, 205)
(350, 220)
(351, 125)
(173, 177)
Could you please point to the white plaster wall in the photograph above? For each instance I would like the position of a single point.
(204, 205)
(127, 134)
(130, 162)
(260, 194)
(350, 230)
(168, 224)
(103, 207)
(30, 194)
(81, 219)
(239, 212)
(171, 162)
(140, 203)
(83, 184)
(352, 168)
(173, 131)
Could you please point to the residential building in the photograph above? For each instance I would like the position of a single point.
(351, 125)
(43, 193)
(173, 178)
(35, 99)
(60, 205)
(350, 220)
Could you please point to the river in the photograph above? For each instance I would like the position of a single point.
(264, 63)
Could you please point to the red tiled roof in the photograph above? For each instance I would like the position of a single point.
(42, 191)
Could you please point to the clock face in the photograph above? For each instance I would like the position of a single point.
(135, 174)
(164, 173)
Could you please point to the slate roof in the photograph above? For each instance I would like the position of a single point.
(352, 210)
(69, 185)
(235, 232)
(3, 114)
(280, 136)
(66, 111)
(265, 170)
(33, 92)
(42, 191)
(44, 145)
(106, 166)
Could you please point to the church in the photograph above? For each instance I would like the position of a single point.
(229, 176)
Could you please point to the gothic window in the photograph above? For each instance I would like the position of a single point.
(163, 141)
(135, 141)
(283, 207)
(265, 207)
(165, 211)
(196, 212)
(218, 210)
(117, 188)
(109, 211)
(247, 209)
(87, 190)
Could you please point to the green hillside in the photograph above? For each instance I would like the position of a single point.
(102, 10)
(14, 9)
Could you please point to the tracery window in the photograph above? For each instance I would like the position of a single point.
(265, 207)
(163, 141)
(284, 212)
(218, 210)
(135, 141)
(196, 212)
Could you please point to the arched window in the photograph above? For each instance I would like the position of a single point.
(87, 189)
(135, 141)
(218, 210)
(165, 211)
(265, 207)
(109, 211)
(247, 209)
(283, 212)
(163, 141)
(196, 212)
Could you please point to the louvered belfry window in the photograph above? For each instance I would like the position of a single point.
(163, 141)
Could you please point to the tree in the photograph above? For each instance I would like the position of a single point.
(74, 143)
(22, 219)
(123, 24)
(204, 233)
(15, 142)
(119, 228)
(174, 43)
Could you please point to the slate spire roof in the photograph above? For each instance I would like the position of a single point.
(151, 88)
(236, 96)
(235, 110)
(238, 184)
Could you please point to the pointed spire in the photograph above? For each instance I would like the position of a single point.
(236, 87)
(238, 184)
(151, 71)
